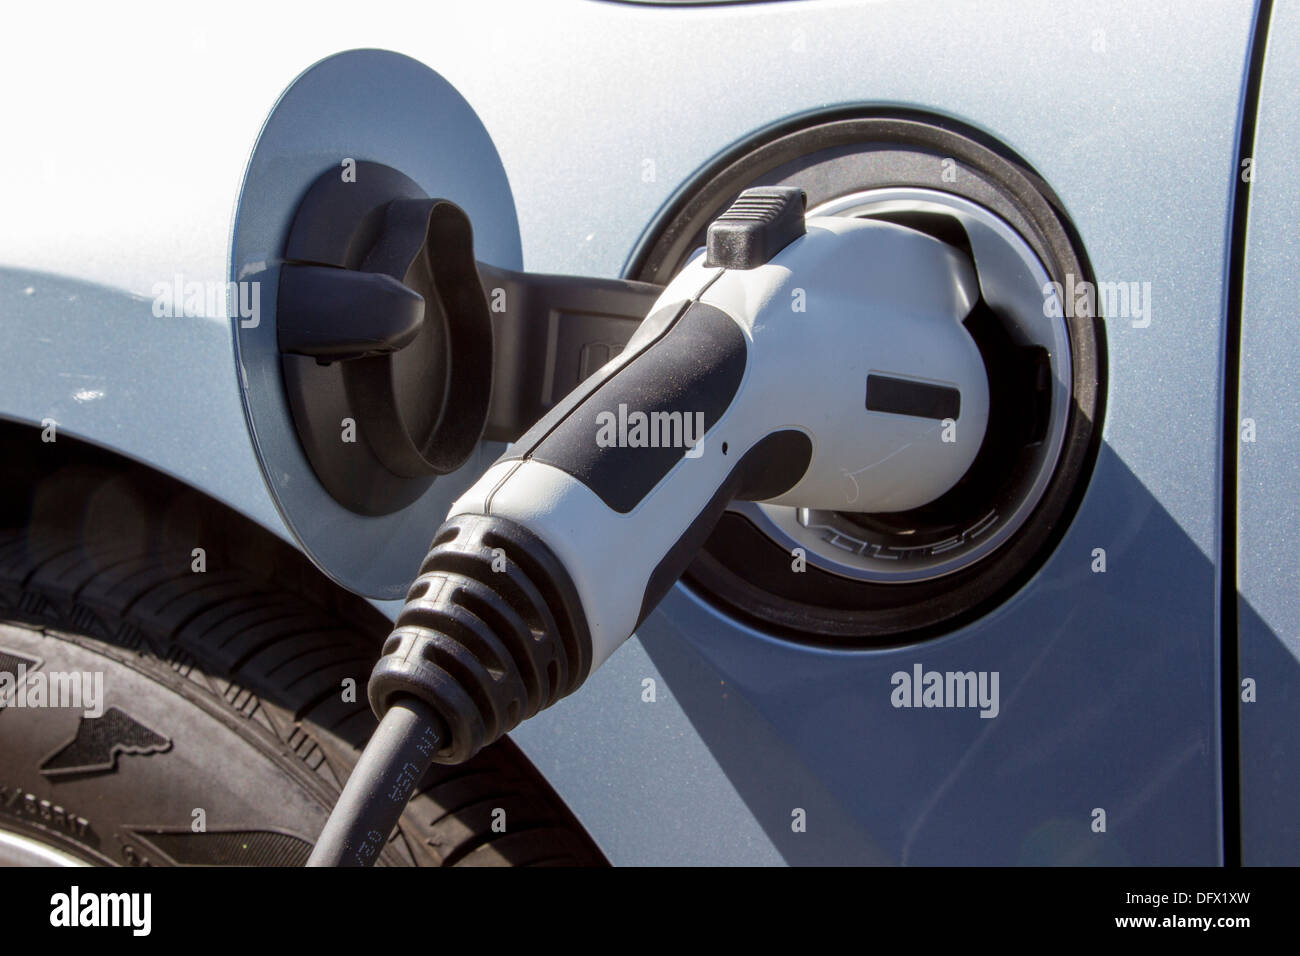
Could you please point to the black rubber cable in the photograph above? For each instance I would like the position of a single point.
(398, 754)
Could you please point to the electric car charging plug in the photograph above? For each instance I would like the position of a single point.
(818, 363)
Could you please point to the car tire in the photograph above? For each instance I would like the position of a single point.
(226, 727)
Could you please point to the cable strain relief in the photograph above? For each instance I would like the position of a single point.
(491, 633)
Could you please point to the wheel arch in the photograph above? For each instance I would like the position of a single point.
(106, 498)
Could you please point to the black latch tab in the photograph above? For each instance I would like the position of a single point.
(759, 224)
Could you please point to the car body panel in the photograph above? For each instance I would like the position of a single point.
(600, 114)
(1268, 507)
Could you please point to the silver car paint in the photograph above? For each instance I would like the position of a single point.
(1268, 564)
(340, 104)
(599, 113)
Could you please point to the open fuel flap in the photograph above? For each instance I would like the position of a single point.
(398, 344)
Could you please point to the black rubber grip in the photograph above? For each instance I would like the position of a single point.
(629, 432)
(492, 632)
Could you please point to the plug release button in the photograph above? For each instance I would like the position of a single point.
(759, 224)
